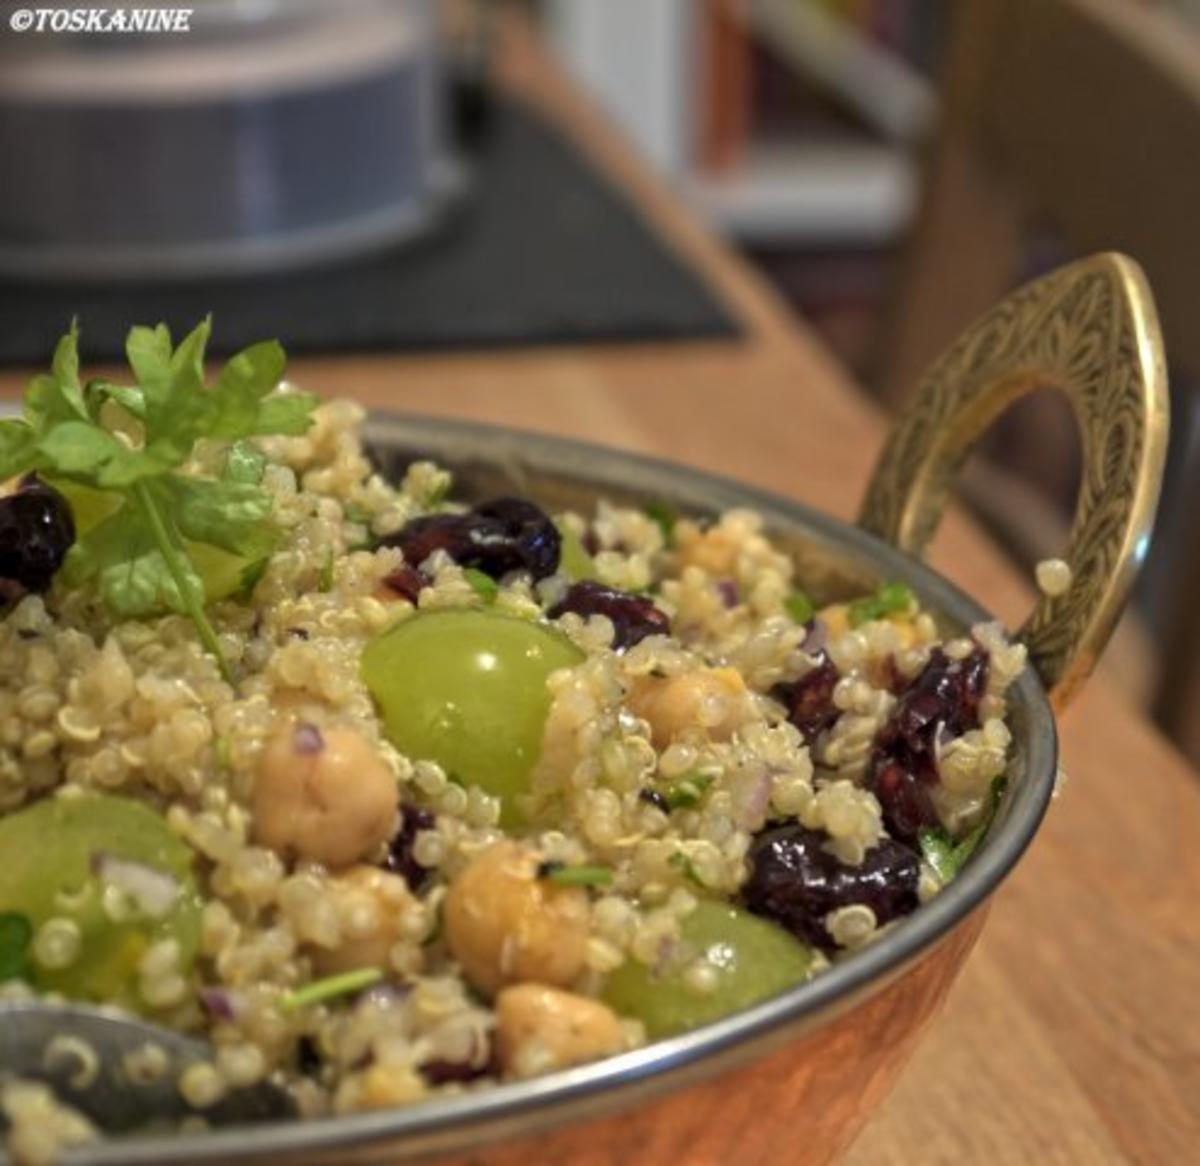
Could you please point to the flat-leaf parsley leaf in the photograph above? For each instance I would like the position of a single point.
(137, 556)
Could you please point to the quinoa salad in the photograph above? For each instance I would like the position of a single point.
(383, 793)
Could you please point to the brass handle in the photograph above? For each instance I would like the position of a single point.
(1091, 331)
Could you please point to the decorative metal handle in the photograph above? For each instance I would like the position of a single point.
(1091, 331)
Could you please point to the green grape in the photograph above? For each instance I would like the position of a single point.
(467, 689)
(754, 960)
(62, 857)
(574, 561)
(89, 507)
(224, 574)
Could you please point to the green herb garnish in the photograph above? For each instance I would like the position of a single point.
(245, 462)
(483, 585)
(948, 857)
(688, 790)
(325, 583)
(575, 876)
(223, 747)
(889, 599)
(680, 861)
(666, 516)
(138, 554)
(16, 934)
(938, 851)
(330, 988)
(799, 606)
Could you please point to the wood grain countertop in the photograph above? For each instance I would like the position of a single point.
(1073, 1036)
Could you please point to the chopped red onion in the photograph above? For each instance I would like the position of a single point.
(817, 638)
(752, 812)
(306, 738)
(219, 1003)
(728, 591)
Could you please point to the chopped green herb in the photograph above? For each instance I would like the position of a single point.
(666, 516)
(353, 512)
(438, 494)
(575, 876)
(947, 857)
(688, 790)
(343, 984)
(16, 933)
(326, 582)
(799, 606)
(245, 463)
(938, 851)
(483, 585)
(680, 861)
(137, 555)
(224, 750)
(889, 599)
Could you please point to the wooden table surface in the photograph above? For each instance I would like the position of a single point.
(1073, 1036)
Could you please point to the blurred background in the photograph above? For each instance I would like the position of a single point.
(351, 177)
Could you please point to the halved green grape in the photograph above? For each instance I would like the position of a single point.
(224, 574)
(115, 875)
(753, 960)
(89, 507)
(467, 689)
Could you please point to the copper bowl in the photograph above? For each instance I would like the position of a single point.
(798, 1074)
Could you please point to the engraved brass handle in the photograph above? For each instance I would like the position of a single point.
(1090, 330)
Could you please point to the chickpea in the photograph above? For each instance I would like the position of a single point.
(539, 1029)
(323, 794)
(714, 550)
(380, 1087)
(372, 906)
(505, 925)
(836, 618)
(712, 700)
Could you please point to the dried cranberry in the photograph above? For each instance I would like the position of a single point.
(809, 700)
(905, 800)
(634, 617)
(308, 1056)
(944, 698)
(443, 1072)
(36, 531)
(796, 882)
(947, 692)
(400, 858)
(407, 582)
(536, 543)
(496, 537)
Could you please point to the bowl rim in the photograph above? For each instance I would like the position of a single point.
(465, 1121)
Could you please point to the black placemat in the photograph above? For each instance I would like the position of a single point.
(540, 250)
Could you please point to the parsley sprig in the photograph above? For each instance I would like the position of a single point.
(138, 555)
